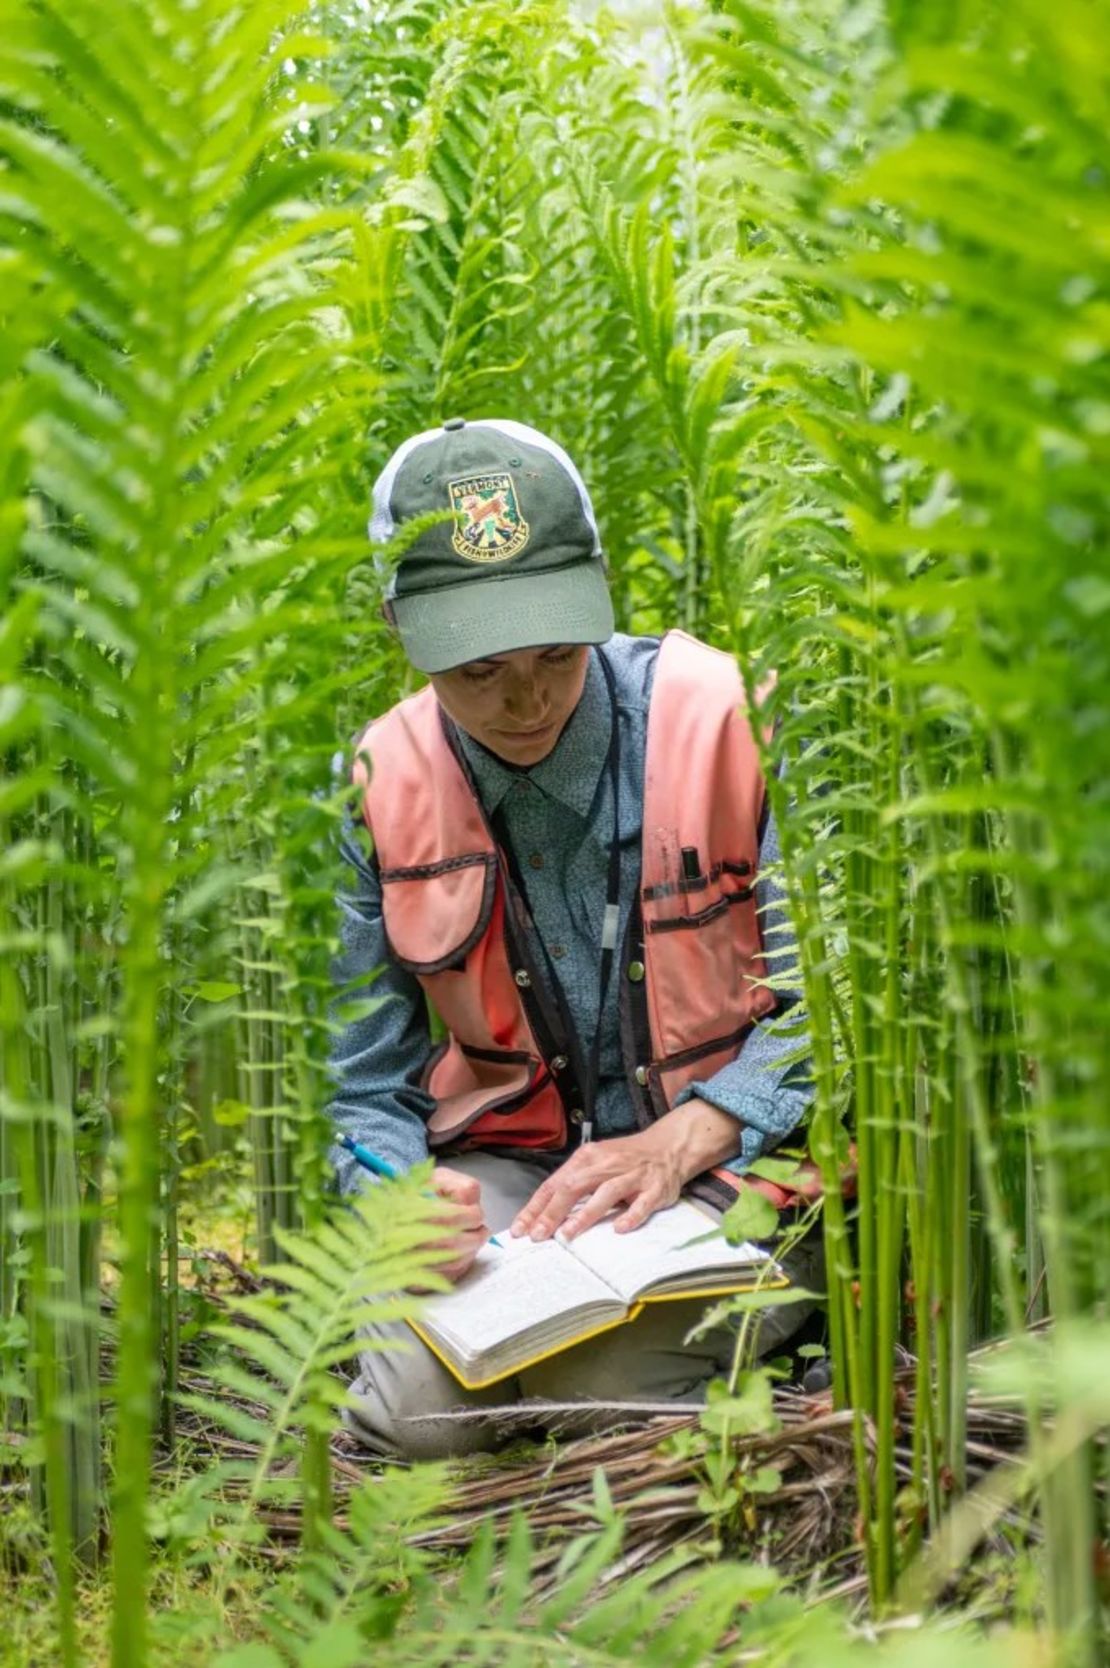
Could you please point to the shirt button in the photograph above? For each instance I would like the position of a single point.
(636, 971)
(558, 951)
(535, 861)
(641, 1075)
(559, 1063)
(522, 979)
(576, 1115)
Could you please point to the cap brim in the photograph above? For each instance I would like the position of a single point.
(445, 628)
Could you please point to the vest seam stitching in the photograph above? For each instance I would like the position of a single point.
(430, 871)
(702, 917)
(689, 1056)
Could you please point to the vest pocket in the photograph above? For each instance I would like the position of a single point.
(434, 914)
(493, 1097)
(704, 966)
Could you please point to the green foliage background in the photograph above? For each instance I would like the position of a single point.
(815, 293)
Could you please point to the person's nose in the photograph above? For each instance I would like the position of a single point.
(528, 699)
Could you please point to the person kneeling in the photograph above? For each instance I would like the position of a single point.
(570, 845)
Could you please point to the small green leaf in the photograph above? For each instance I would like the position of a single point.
(782, 1171)
(215, 990)
(1089, 593)
(603, 1499)
(751, 1217)
(249, 1656)
(712, 1504)
(764, 1481)
(747, 1413)
(338, 1646)
(97, 1025)
(230, 1113)
(423, 196)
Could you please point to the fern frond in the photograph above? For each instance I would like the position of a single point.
(354, 1270)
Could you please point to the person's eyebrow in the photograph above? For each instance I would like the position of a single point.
(552, 648)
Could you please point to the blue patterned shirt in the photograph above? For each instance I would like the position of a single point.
(558, 817)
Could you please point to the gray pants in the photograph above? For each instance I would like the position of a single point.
(402, 1393)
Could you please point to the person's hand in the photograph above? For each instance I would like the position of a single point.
(637, 1171)
(464, 1224)
(643, 1173)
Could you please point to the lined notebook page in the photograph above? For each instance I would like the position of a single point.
(513, 1289)
(629, 1263)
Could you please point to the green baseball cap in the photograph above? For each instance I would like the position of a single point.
(519, 564)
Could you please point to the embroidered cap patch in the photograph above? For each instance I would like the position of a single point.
(488, 524)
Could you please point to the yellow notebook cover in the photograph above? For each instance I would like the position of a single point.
(775, 1283)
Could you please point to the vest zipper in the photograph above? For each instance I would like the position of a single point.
(634, 1026)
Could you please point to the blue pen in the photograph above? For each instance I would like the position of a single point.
(369, 1161)
(380, 1167)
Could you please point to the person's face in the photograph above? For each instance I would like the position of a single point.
(515, 704)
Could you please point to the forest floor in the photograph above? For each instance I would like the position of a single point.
(794, 1507)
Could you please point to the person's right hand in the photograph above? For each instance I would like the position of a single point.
(465, 1227)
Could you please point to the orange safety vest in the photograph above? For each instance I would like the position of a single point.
(691, 979)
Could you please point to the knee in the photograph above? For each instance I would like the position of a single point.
(404, 1415)
(442, 1438)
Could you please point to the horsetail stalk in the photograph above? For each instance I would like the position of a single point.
(823, 329)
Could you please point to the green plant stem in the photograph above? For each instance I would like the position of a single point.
(43, 1363)
(1067, 1500)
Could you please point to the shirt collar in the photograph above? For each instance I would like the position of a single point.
(570, 772)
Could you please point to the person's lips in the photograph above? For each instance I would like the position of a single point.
(529, 735)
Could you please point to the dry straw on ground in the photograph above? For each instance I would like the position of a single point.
(653, 1474)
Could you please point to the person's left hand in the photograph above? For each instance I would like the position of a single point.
(644, 1172)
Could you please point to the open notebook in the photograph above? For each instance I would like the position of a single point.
(523, 1301)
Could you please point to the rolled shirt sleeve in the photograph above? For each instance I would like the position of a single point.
(381, 1042)
(768, 1087)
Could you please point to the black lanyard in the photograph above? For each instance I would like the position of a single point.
(589, 1072)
